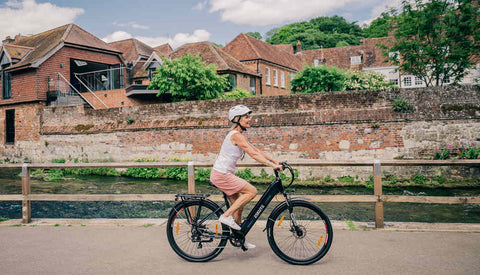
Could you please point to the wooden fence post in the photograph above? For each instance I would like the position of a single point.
(377, 191)
(191, 178)
(191, 184)
(26, 203)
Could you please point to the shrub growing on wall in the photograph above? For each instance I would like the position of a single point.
(188, 78)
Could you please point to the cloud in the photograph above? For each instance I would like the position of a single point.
(131, 24)
(29, 17)
(178, 40)
(383, 6)
(268, 12)
(200, 5)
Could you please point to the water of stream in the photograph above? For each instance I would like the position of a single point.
(407, 212)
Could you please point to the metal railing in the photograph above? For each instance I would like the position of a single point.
(378, 198)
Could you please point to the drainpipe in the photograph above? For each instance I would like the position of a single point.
(261, 76)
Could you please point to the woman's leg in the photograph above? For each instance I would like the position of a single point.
(237, 215)
(248, 192)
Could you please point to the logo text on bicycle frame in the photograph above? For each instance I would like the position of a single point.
(259, 211)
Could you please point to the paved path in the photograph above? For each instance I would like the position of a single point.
(138, 249)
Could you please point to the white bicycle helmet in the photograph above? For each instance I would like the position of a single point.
(238, 110)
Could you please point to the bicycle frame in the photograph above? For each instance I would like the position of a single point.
(274, 188)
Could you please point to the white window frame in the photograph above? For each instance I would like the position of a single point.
(267, 73)
(409, 78)
(355, 60)
(418, 81)
(282, 79)
(275, 78)
(316, 62)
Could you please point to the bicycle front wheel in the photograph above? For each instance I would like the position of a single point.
(302, 237)
(194, 232)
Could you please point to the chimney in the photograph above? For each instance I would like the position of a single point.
(299, 46)
(19, 37)
(8, 40)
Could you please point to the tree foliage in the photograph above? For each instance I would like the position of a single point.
(256, 35)
(318, 32)
(435, 39)
(318, 79)
(323, 79)
(380, 26)
(188, 78)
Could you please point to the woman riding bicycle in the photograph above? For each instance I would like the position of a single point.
(235, 145)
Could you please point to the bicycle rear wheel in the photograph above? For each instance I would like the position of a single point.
(301, 238)
(194, 232)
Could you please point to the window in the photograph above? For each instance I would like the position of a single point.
(316, 62)
(10, 126)
(282, 79)
(355, 60)
(275, 77)
(252, 85)
(6, 85)
(267, 72)
(232, 82)
(394, 81)
(407, 81)
(418, 81)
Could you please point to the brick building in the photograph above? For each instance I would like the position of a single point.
(53, 68)
(275, 65)
(239, 75)
(369, 56)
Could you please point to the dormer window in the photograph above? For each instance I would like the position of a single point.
(356, 60)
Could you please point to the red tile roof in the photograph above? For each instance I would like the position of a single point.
(15, 52)
(244, 47)
(212, 54)
(132, 49)
(340, 56)
(47, 43)
(285, 47)
(164, 50)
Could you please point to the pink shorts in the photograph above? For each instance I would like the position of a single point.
(228, 183)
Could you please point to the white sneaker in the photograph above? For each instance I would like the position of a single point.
(249, 245)
(229, 221)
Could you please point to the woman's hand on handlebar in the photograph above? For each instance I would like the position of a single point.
(277, 167)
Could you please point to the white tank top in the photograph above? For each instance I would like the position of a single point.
(228, 157)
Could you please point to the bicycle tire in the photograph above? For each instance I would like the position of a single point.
(180, 231)
(308, 248)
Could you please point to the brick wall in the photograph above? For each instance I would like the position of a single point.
(356, 125)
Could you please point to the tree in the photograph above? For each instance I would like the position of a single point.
(435, 40)
(318, 32)
(318, 79)
(256, 35)
(188, 78)
(380, 26)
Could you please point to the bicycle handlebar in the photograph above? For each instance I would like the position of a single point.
(285, 165)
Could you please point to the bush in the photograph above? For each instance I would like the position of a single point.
(401, 104)
(365, 80)
(470, 150)
(318, 79)
(238, 93)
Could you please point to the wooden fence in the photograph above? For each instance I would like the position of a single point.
(378, 198)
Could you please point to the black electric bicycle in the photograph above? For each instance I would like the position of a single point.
(297, 230)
